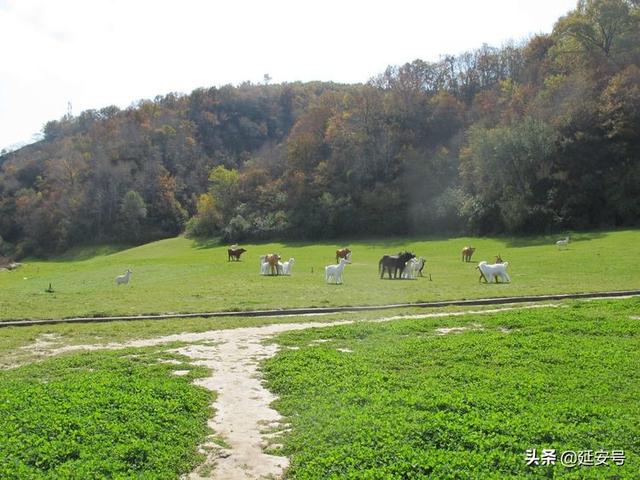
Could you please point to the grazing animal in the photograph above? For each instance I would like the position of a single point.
(410, 269)
(498, 259)
(234, 253)
(124, 278)
(287, 266)
(562, 243)
(273, 259)
(342, 253)
(413, 268)
(394, 262)
(495, 271)
(333, 273)
(264, 268)
(466, 253)
(421, 264)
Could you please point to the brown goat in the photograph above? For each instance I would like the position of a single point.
(466, 253)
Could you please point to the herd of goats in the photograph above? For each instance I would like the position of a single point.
(403, 265)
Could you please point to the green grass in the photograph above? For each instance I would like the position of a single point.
(101, 415)
(179, 275)
(408, 403)
(16, 342)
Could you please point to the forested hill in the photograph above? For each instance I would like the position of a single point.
(536, 137)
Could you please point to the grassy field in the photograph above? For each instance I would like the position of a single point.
(406, 400)
(180, 275)
(102, 415)
(16, 342)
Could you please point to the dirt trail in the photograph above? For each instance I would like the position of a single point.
(243, 416)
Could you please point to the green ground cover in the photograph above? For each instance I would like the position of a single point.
(16, 342)
(180, 275)
(398, 400)
(102, 415)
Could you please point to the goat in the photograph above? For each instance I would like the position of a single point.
(334, 272)
(264, 268)
(421, 263)
(495, 271)
(342, 253)
(466, 253)
(287, 266)
(270, 264)
(412, 268)
(562, 243)
(124, 278)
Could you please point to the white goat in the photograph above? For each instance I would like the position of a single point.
(334, 272)
(287, 266)
(494, 271)
(413, 268)
(124, 278)
(410, 269)
(264, 265)
(562, 243)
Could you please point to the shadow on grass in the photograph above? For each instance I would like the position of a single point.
(394, 244)
(78, 254)
(206, 243)
(552, 239)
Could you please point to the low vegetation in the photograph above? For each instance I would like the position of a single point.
(462, 397)
(102, 415)
(180, 275)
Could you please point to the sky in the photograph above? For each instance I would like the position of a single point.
(89, 54)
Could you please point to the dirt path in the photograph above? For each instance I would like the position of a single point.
(243, 416)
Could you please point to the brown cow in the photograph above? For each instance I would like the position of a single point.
(466, 253)
(342, 253)
(235, 253)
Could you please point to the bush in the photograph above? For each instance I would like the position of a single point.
(205, 223)
(237, 230)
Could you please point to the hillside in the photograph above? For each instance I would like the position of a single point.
(537, 137)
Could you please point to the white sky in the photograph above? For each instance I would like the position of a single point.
(95, 53)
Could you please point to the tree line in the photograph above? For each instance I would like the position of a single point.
(533, 137)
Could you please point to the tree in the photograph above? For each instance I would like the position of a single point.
(223, 188)
(507, 170)
(620, 106)
(604, 30)
(133, 212)
(206, 222)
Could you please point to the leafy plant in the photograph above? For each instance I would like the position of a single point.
(101, 415)
(402, 400)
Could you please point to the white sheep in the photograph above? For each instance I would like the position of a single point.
(124, 278)
(493, 271)
(334, 272)
(562, 243)
(287, 266)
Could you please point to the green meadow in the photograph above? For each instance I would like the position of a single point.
(413, 399)
(108, 414)
(182, 275)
